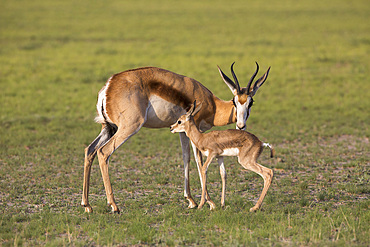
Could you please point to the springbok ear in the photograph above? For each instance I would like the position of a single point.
(260, 82)
(192, 108)
(197, 109)
(228, 81)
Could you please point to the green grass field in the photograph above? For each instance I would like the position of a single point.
(314, 108)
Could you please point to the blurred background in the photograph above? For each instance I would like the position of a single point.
(56, 55)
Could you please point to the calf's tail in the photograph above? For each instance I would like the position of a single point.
(272, 150)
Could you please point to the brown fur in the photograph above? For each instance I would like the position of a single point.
(215, 143)
(129, 104)
(242, 98)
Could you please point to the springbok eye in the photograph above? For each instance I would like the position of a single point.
(179, 122)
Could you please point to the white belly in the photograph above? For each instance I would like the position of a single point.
(226, 152)
(161, 113)
(230, 152)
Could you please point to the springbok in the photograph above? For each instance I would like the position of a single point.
(246, 146)
(155, 98)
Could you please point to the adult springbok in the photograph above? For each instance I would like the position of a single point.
(155, 98)
(246, 146)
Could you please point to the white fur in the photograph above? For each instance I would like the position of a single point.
(102, 99)
(267, 145)
(230, 152)
(222, 166)
(226, 152)
(242, 113)
(161, 113)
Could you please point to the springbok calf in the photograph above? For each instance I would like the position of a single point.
(155, 98)
(246, 146)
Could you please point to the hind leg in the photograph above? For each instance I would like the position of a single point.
(90, 153)
(266, 174)
(220, 161)
(119, 138)
(203, 174)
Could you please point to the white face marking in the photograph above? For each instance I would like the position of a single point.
(161, 113)
(230, 152)
(242, 113)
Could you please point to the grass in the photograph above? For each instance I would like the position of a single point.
(55, 57)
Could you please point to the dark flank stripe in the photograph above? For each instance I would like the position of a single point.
(175, 88)
(102, 111)
(170, 94)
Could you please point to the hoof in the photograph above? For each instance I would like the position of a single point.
(212, 206)
(192, 203)
(88, 209)
(115, 210)
(254, 209)
(201, 205)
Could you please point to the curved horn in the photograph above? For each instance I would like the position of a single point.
(252, 78)
(260, 81)
(235, 79)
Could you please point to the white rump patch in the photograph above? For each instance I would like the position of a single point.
(101, 104)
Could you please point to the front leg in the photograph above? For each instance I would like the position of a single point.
(199, 161)
(186, 158)
(204, 184)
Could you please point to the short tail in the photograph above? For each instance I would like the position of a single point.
(272, 150)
